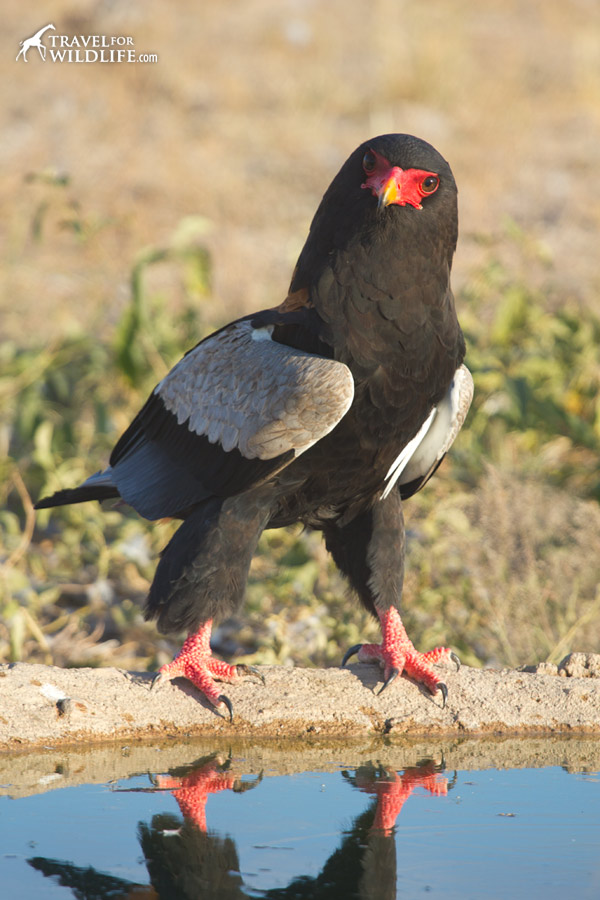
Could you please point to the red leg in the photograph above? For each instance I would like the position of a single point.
(396, 654)
(195, 662)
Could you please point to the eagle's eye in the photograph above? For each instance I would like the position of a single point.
(430, 184)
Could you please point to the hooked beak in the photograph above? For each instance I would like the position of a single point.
(390, 191)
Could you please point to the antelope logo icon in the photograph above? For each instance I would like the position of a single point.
(34, 41)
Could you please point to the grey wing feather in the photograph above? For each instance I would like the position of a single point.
(237, 409)
(243, 390)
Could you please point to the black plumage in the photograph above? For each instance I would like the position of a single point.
(327, 410)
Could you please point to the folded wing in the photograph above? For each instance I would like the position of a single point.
(234, 411)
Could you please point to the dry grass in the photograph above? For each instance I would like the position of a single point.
(508, 573)
(250, 110)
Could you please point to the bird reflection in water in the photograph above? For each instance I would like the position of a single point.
(187, 861)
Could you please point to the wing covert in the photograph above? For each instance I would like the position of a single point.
(244, 390)
(236, 409)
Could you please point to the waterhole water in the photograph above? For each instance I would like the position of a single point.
(489, 819)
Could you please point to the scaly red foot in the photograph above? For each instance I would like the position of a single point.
(396, 654)
(195, 662)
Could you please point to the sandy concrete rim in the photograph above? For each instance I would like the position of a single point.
(45, 705)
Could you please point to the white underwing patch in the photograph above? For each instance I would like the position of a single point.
(435, 436)
(402, 460)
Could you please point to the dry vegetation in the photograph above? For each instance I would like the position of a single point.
(145, 204)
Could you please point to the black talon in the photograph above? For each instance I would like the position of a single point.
(241, 787)
(158, 679)
(391, 677)
(455, 660)
(442, 687)
(243, 669)
(228, 704)
(350, 653)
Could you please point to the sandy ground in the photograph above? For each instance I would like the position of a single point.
(44, 705)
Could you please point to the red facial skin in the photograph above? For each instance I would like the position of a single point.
(395, 186)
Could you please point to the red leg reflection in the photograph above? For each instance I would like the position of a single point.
(192, 790)
(393, 789)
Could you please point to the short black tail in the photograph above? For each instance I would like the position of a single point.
(78, 495)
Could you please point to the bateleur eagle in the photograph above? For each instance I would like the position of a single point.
(330, 410)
